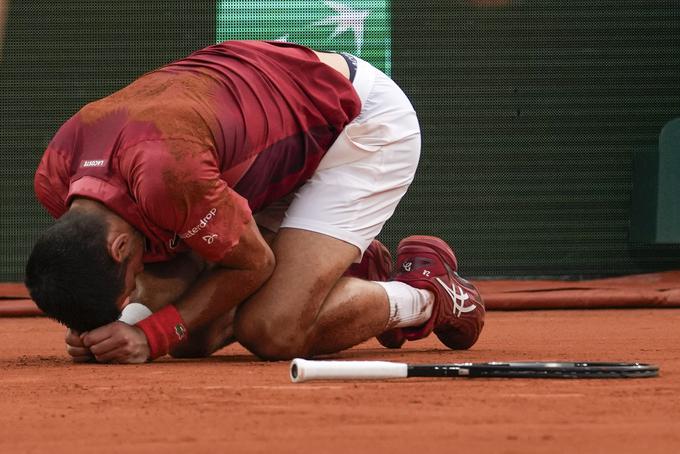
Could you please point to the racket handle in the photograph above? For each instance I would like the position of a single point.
(302, 370)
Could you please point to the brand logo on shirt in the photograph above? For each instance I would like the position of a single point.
(93, 163)
(201, 225)
(174, 241)
(210, 239)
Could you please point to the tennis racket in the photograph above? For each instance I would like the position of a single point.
(302, 370)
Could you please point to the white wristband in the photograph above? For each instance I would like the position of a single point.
(133, 313)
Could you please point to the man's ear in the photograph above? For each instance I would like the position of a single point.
(120, 247)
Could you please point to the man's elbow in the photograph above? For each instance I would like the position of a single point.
(265, 263)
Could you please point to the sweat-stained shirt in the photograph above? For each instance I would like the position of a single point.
(186, 153)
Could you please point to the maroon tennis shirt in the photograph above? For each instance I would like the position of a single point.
(187, 152)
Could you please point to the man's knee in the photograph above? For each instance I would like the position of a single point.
(272, 337)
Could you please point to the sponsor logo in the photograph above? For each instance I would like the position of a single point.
(360, 27)
(458, 299)
(203, 223)
(174, 241)
(407, 266)
(180, 331)
(93, 163)
(210, 239)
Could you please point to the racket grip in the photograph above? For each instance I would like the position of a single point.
(302, 370)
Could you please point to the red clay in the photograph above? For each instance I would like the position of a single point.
(233, 403)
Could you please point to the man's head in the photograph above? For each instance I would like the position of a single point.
(83, 267)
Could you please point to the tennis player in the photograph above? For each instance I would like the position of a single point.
(237, 193)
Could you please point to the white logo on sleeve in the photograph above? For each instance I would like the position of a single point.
(458, 299)
(203, 223)
(93, 163)
(210, 239)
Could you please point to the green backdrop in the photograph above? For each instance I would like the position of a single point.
(531, 112)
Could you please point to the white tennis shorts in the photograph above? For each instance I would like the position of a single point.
(364, 174)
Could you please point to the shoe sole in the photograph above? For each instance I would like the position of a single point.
(382, 259)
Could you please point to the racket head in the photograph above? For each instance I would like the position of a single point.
(550, 369)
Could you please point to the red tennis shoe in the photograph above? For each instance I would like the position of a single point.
(375, 265)
(428, 263)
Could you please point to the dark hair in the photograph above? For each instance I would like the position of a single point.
(71, 275)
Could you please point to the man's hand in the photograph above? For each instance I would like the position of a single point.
(117, 342)
(75, 347)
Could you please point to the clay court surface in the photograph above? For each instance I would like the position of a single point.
(234, 403)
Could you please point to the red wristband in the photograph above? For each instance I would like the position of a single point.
(164, 330)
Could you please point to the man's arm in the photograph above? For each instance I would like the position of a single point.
(237, 276)
(217, 291)
(179, 188)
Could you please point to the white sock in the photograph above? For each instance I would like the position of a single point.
(133, 313)
(409, 306)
